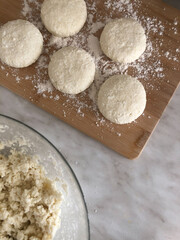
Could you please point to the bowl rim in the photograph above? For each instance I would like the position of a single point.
(66, 162)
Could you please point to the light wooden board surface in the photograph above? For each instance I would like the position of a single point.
(133, 136)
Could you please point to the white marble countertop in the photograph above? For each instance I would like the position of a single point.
(127, 200)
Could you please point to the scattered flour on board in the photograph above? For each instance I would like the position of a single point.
(147, 68)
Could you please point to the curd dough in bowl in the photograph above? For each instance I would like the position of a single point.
(29, 201)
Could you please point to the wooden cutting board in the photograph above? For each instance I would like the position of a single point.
(130, 139)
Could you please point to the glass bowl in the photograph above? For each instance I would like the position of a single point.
(74, 217)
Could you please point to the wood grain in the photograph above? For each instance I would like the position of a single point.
(133, 136)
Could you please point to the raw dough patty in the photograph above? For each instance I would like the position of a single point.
(71, 70)
(64, 18)
(20, 43)
(123, 40)
(121, 99)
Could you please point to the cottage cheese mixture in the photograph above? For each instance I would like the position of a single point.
(29, 202)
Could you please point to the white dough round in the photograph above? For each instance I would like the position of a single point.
(71, 70)
(123, 40)
(64, 18)
(21, 43)
(121, 99)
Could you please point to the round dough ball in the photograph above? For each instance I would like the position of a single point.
(121, 99)
(64, 18)
(71, 70)
(21, 43)
(123, 40)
